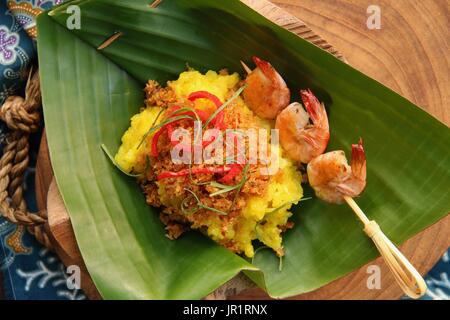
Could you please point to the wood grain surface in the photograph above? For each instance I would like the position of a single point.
(409, 54)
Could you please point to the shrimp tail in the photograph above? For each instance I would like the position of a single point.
(310, 140)
(315, 109)
(265, 67)
(359, 160)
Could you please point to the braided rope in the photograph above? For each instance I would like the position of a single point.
(22, 116)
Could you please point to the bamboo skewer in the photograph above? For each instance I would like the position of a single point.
(409, 280)
(110, 40)
(155, 3)
(246, 67)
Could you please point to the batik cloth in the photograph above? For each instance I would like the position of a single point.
(29, 271)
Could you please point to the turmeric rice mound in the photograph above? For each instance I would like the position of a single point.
(259, 210)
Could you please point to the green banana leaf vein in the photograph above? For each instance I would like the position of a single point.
(90, 95)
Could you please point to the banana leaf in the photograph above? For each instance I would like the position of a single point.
(89, 96)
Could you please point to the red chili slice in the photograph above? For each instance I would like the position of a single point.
(217, 122)
(208, 142)
(236, 169)
(154, 151)
(205, 95)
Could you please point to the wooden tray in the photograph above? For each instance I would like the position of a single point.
(423, 250)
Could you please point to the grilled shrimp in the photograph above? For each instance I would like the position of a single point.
(332, 178)
(266, 93)
(303, 141)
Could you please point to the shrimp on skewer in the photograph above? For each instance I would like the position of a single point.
(333, 179)
(336, 182)
(266, 93)
(301, 140)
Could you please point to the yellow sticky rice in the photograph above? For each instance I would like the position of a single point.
(262, 216)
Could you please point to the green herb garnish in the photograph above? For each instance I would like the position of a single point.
(241, 183)
(223, 188)
(288, 203)
(200, 205)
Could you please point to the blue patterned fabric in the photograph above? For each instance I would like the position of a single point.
(26, 11)
(438, 280)
(29, 270)
(16, 52)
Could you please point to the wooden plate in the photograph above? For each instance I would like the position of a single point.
(379, 54)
